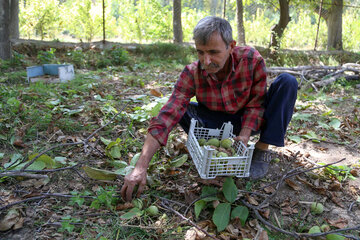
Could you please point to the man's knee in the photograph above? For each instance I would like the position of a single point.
(287, 80)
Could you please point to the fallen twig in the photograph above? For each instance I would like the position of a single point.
(295, 234)
(23, 174)
(186, 219)
(84, 142)
(40, 197)
(323, 75)
(304, 171)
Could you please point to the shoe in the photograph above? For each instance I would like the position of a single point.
(259, 164)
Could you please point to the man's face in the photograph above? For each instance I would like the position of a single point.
(214, 54)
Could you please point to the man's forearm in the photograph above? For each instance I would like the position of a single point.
(150, 147)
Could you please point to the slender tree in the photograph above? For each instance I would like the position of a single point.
(14, 19)
(177, 26)
(334, 24)
(240, 22)
(278, 30)
(331, 12)
(4, 29)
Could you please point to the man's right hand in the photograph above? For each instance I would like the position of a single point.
(136, 178)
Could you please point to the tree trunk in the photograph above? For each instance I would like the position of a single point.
(4, 30)
(278, 30)
(334, 23)
(14, 19)
(224, 13)
(240, 22)
(177, 27)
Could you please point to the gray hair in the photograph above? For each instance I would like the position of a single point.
(210, 24)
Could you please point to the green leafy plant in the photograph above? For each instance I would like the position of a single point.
(105, 197)
(149, 110)
(45, 57)
(226, 210)
(118, 55)
(78, 197)
(67, 223)
(341, 173)
(140, 209)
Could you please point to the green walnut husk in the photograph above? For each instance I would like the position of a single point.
(222, 154)
(317, 208)
(138, 203)
(226, 143)
(213, 142)
(152, 210)
(202, 141)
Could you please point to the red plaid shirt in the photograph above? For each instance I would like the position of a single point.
(244, 88)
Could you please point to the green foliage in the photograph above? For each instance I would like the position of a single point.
(86, 20)
(17, 60)
(305, 27)
(149, 110)
(221, 216)
(166, 52)
(351, 29)
(46, 57)
(151, 21)
(40, 18)
(341, 173)
(67, 223)
(144, 21)
(13, 77)
(223, 212)
(118, 55)
(105, 197)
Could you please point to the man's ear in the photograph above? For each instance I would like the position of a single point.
(232, 45)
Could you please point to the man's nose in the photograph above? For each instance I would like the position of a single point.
(207, 59)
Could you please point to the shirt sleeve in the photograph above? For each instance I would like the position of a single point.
(254, 109)
(172, 112)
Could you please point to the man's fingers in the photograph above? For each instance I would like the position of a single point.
(123, 191)
(140, 189)
(129, 192)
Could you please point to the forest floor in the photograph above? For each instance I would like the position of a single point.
(62, 201)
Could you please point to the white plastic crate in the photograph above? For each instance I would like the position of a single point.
(210, 166)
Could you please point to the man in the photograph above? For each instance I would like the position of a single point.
(229, 83)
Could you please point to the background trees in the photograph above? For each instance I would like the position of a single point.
(177, 26)
(276, 23)
(4, 29)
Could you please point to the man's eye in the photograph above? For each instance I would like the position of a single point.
(200, 53)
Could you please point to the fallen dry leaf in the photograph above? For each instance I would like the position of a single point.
(194, 234)
(209, 182)
(19, 224)
(269, 189)
(263, 235)
(252, 200)
(354, 172)
(11, 218)
(124, 206)
(225, 236)
(232, 230)
(293, 185)
(265, 213)
(336, 200)
(335, 186)
(338, 223)
(156, 93)
(19, 143)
